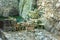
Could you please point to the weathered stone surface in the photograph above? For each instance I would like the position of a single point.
(6, 6)
(37, 35)
(51, 18)
(44, 35)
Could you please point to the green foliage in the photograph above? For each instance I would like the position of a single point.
(34, 14)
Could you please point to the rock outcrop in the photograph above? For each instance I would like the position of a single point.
(6, 6)
(51, 17)
(37, 35)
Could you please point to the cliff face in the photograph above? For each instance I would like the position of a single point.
(36, 14)
(6, 6)
(46, 11)
(52, 16)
